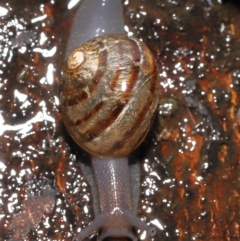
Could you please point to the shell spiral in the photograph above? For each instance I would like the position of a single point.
(109, 94)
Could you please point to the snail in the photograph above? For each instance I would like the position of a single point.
(108, 99)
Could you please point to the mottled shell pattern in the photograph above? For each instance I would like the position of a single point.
(109, 94)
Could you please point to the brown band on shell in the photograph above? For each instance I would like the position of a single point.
(134, 62)
(103, 124)
(91, 114)
(75, 99)
(100, 126)
(132, 130)
(100, 71)
(135, 65)
(115, 80)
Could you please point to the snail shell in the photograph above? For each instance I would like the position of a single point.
(109, 94)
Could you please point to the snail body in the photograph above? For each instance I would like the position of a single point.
(108, 100)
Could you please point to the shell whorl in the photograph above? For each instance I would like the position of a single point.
(109, 94)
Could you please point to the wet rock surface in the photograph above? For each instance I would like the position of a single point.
(190, 159)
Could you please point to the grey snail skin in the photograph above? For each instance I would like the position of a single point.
(109, 96)
(108, 19)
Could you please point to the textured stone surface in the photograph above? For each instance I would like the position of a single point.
(190, 159)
